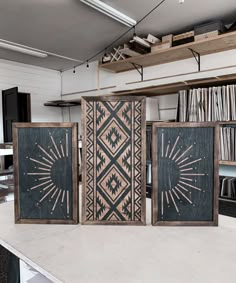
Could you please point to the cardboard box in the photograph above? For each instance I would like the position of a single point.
(206, 35)
(183, 35)
(161, 46)
(167, 38)
(152, 39)
(209, 27)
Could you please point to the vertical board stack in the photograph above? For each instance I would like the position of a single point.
(207, 104)
(227, 193)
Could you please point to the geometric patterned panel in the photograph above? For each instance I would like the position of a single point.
(113, 159)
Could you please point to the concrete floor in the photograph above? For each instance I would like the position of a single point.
(30, 275)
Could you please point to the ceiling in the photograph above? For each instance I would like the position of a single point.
(72, 29)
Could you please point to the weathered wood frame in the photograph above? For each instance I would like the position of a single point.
(74, 127)
(84, 100)
(215, 205)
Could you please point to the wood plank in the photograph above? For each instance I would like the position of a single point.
(228, 200)
(175, 87)
(5, 192)
(230, 77)
(216, 44)
(227, 162)
(7, 183)
(6, 172)
(63, 103)
(154, 90)
(227, 123)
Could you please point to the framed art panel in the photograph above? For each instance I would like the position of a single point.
(185, 174)
(113, 160)
(45, 168)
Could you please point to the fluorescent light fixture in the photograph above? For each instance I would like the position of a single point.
(21, 49)
(111, 12)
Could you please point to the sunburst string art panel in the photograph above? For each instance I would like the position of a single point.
(185, 174)
(113, 160)
(45, 167)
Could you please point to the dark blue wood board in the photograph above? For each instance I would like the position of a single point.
(185, 174)
(42, 161)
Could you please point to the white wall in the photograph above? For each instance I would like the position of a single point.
(83, 80)
(94, 81)
(72, 114)
(43, 85)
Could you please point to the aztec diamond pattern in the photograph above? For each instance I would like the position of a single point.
(113, 137)
(114, 183)
(113, 191)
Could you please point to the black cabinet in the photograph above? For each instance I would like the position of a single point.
(15, 108)
(9, 267)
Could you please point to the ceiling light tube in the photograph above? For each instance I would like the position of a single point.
(111, 12)
(24, 50)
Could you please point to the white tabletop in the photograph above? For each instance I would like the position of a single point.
(112, 254)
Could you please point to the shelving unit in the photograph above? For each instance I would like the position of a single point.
(6, 184)
(149, 159)
(222, 42)
(6, 172)
(63, 103)
(219, 43)
(227, 206)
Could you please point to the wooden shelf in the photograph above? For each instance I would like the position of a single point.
(6, 145)
(154, 90)
(175, 87)
(227, 199)
(227, 162)
(219, 43)
(63, 103)
(231, 122)
(4, 193)
(6, 172)
(6, 185)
